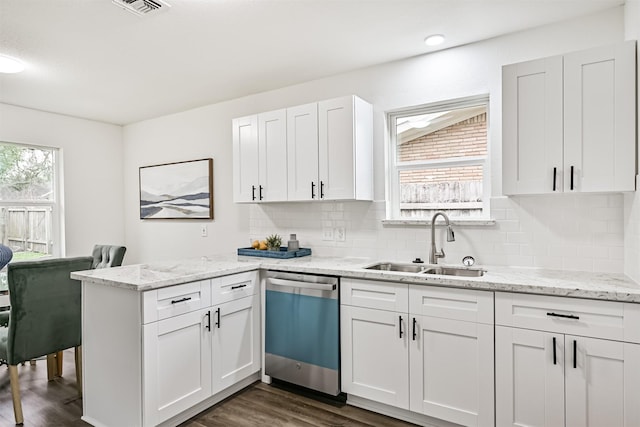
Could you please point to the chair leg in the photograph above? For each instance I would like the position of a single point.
(52, 366)
(15, 393)
(78, 354)
(59, 362)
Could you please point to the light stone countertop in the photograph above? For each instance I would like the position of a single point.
(143, 277)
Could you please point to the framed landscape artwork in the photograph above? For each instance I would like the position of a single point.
(181, 190)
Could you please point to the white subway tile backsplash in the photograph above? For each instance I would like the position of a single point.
(570, 232)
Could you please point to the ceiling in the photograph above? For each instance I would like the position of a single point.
(92, 59)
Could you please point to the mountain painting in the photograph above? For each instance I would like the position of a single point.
(182, 190)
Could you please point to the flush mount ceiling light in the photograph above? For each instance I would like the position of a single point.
(434, 40)
(10, 65)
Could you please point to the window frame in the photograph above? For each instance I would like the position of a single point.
(393, 168)
(56, 244)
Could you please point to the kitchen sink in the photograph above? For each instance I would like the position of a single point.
(425, 269)
(453, 271)
(396, 266)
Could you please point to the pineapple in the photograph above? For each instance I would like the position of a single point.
(273, 242)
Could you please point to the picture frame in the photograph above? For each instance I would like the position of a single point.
(179, 190)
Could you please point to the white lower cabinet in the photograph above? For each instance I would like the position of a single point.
(163, 355)
(177, 362)
(451, 372)
(235, 327)
(550, 378)
(375, 362)
(433, 365)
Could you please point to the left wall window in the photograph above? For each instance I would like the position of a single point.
(29, 200)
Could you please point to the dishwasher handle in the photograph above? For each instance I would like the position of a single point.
(303, 285)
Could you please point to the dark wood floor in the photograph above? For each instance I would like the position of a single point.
(56, 403)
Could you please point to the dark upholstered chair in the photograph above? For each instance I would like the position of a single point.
(107, 256)
(44, 318)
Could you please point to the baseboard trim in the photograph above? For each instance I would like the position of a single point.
(206, 404)
(401, 414)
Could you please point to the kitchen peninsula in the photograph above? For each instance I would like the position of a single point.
(153, 333)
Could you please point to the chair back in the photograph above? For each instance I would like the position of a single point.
(45, 307)
(107, 256)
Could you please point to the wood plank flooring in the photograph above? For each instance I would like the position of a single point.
(56, 403)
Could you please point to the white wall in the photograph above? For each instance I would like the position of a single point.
(527, 233)
(93, 173)
(632, 201)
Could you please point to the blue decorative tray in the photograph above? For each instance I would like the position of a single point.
(283, 253)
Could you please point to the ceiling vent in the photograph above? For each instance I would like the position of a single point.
(142, 7)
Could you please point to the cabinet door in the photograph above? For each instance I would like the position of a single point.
(272, 141)
(336, 148)
(529, 380)
(177, 365)
(235, 328)
(451, 370)
(245, 159)
(602, 382)
(532, 126)
(302, 152)
(375, 359)
(599, 111)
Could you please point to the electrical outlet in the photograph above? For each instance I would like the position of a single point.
(339, 234)
(327, 234)
(203, 231)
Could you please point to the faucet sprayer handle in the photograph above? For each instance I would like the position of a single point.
(450, 236)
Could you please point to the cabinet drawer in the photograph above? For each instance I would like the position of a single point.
(456, 304)
(229, 288)
(374, 294)
(175, 300)
(599, 319)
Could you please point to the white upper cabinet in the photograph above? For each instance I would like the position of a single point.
(345, 135)
(302, 151)
(532, 126)
(317, 151)
(569, 122)
(245, 158)
(260, 157)
(600, 119)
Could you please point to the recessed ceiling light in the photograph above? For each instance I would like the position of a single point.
(434, 40)
(10, 65)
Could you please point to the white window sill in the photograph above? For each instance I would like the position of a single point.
(471, 222)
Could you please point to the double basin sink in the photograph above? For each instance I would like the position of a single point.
(426, 269)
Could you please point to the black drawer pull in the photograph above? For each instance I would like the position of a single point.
(400, 323)
(238, 286)
(218, 314)
(575, 345)
(321, 190)
(571, 177)
(260, 192)
(414, 328)
(253, 192)
(566, 316)
(208, 320)
(313, 190)
(176, 301)
(554, 178)
(554, 350)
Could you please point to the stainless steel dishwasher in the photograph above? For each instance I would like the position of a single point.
(302, 330)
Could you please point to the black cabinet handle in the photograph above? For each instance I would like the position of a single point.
(218, 315)
(253, 192)
(566, 316)
(313, 190)
(414, 328)
(321, 190)
(208, 320)
(554, 350)
(572, 177)
(555, 170)
(176, 301)
(260, 192)
(400, 318)
(239, 286)
(575, 345)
